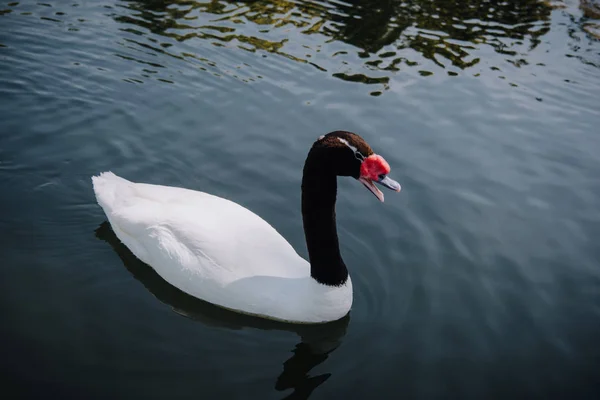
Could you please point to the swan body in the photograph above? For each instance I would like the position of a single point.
(218, 251)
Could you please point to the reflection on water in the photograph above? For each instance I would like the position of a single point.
(365, 41)
(388, 36)
(591, 10)
(317, 341)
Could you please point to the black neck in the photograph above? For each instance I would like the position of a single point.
(319, 192)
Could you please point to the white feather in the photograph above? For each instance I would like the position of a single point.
(217, 251)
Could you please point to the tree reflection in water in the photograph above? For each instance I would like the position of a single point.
(379, 38)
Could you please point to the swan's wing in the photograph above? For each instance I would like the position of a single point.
(196, 231)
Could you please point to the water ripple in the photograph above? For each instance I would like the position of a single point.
(487, 112)
(359, 42)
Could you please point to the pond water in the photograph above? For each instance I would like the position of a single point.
(481, 279)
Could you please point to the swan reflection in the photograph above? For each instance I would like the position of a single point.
(316, 341)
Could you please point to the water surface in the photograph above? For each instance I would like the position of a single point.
(481, 279)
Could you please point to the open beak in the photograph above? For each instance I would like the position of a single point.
(387, 182)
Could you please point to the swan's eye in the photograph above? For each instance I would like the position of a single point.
(381, 177)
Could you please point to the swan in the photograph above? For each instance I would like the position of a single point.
(218, 251)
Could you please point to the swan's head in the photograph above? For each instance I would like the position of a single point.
(352, 156)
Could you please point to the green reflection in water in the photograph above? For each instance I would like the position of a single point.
(386, 37)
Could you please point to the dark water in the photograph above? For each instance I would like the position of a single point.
(480, 280)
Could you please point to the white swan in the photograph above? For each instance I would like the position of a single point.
(220, 252)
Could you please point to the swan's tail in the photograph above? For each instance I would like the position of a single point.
(106, 186)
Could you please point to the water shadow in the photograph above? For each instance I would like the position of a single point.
(316, 341)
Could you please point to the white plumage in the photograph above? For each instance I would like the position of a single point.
(217, 251)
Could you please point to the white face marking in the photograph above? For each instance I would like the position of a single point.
(321, 137)
(357, 153)
(354, 149)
